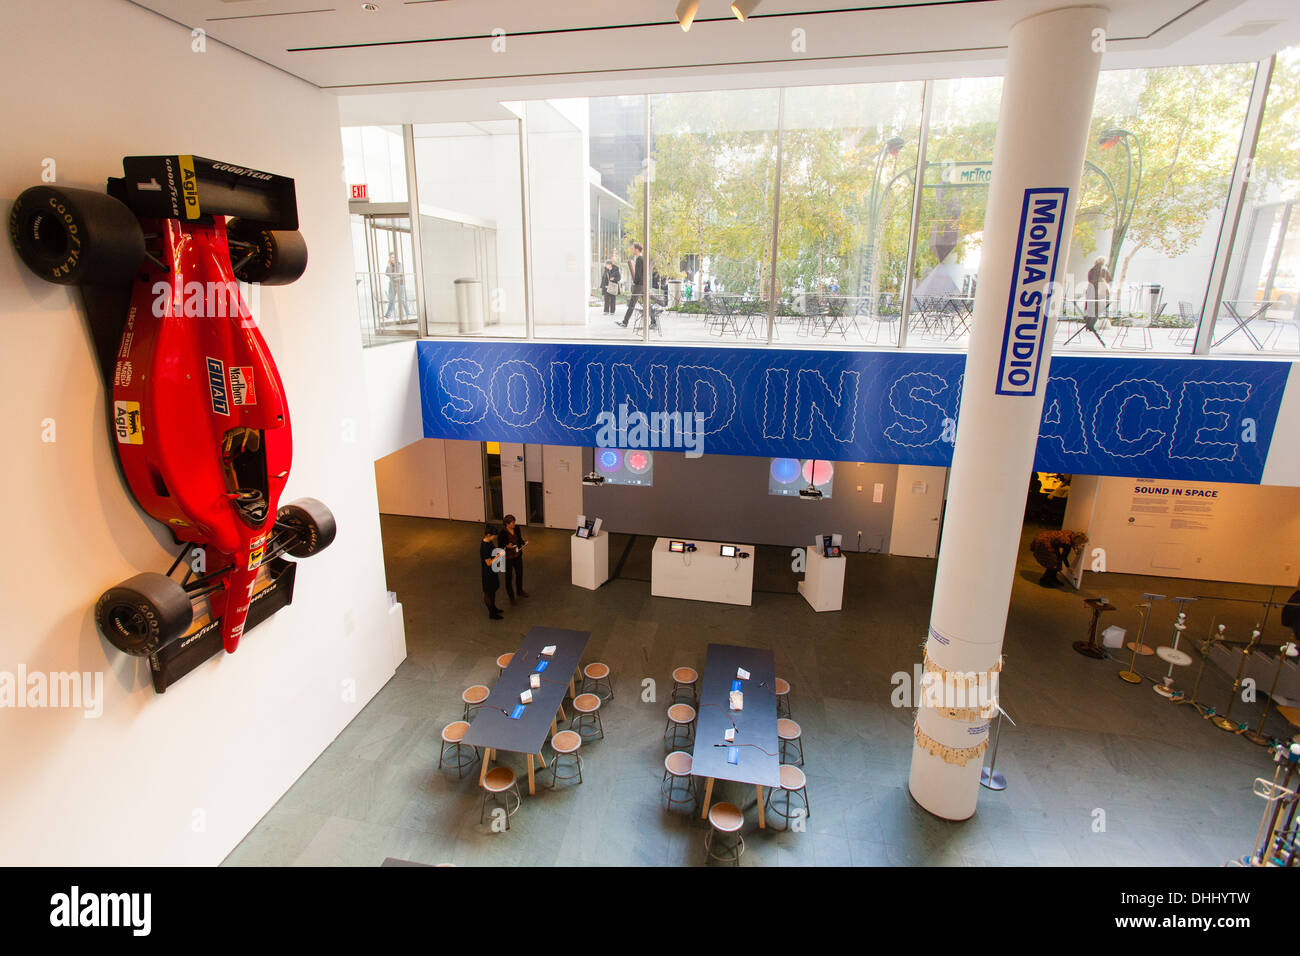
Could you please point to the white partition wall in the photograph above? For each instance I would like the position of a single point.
(918, 508)
(464, 480)
(562, 482)
(413, 480)
(514, 487)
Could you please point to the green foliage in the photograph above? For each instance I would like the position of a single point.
(1185, 123)
(846, 200)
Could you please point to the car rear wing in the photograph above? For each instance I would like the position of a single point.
(191, 188)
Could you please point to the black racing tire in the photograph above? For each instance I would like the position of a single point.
(144, 614)
(76, 236)
(277, 256)
(314, 523)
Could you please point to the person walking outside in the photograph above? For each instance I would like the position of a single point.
(1053, 550)
(1098, 289)
(396, 286)
(512, 539)
(609, 280)
(491, 583)
(637, 268)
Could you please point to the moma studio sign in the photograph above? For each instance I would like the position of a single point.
(1042, 216)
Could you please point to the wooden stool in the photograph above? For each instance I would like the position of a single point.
(597, 674)
(497, 784)
(725, 819)
(503, 662)
(473, 698)
(793, 781)
(586, 708)
(566, 744)
(681, 718)
(452, 735)
(677, 767)
(685, 678)
(788, 732)
(782, 690)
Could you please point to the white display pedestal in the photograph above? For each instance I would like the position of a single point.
(703, 574)
(823, 583)
(590, 557)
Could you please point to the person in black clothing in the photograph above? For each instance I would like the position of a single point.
(609, 279)
(638, 285)
(512, 539)
(490, 581)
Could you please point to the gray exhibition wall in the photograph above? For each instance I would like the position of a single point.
(725, 498)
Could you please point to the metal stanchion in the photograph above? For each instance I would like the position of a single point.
(989, 777)
(1210, 640)
(1131, 675)
(1224, 721)
(1256, 736)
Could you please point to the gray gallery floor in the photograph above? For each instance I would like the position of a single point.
(1170, 788)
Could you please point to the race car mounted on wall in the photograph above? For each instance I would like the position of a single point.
(197, 411)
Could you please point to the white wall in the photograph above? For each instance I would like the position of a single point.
(177, 778)
(413, 480)
(393, 391)
(559, 214)
(1243, 533)
(478, 175)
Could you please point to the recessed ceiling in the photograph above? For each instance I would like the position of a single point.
(437, 44)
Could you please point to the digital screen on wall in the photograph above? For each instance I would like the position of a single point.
(789, 476)
(625, 466)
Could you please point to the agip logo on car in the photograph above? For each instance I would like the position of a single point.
(189, 187)
(126, 423)
(217, 386)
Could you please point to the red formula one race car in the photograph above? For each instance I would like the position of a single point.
(198, 412)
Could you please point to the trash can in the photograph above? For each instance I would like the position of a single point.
(1152, 295)
(674, 293)
(469, 305)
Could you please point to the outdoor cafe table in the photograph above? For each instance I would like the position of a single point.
(1243, 325)
(961, 308)
(756, 742)
(493, 730)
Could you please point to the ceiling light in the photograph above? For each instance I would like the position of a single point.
(370, 8)
(686, 10)
(743, 8)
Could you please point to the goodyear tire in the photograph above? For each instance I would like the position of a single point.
(270, 256)
(313, 522)
(143, 614)
(76, 236)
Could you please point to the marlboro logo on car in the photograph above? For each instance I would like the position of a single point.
(241, 385)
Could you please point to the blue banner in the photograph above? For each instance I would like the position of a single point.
(1175, 418)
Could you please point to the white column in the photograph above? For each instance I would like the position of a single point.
(1038, 157)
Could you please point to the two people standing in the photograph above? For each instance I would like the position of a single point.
(510, 540)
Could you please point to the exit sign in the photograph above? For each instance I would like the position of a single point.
(359, 191)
